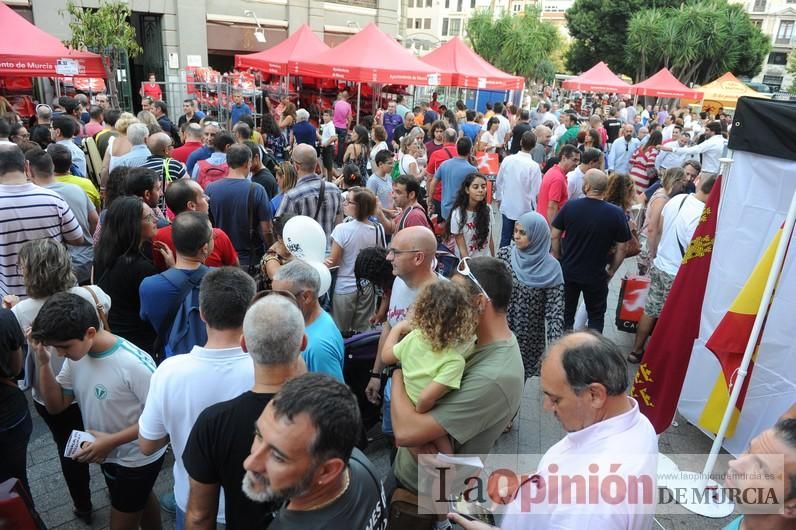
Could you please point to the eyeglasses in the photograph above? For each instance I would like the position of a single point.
(268, 292)
(464, 270)
(396, 252)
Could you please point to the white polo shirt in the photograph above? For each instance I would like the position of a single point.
(181, 388)
(517, 185)
(112, 387)
(629, 440)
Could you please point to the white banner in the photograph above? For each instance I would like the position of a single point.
(754, 204)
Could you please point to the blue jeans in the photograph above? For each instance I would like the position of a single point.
(386, 419)
(180, 521)
(507, 231)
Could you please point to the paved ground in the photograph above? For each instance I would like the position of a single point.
(534, 432)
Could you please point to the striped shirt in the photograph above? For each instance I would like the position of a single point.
(303, 200)
(29, 212)
(168, 170)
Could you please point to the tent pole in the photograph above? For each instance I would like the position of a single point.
(359, 93)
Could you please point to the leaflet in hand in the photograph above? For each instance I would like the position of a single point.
(77, 441)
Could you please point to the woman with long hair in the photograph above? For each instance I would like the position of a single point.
(487, 141)
(288, 119)
(471, 219)
(642, 163)
(114, 188)
(273, 137)
(277, 255)
(536, 307)
(410, 152)
(120, 266)
(621, 192)
(46, 270)
(286, 179)
(118, 146)
(149, 119)
(353, 306)
(358, 150)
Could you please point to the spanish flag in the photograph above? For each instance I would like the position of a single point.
(729, 340)
(661, 375)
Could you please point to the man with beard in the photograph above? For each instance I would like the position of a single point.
(273, 334)
(303, 458)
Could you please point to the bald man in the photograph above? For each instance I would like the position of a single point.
(411, 254)
(593, 227)
(312, 196)
(160, 161)
(541, 150)
(584, 381)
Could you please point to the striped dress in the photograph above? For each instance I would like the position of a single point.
(642, 161)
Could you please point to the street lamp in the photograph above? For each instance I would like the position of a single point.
(259, 33)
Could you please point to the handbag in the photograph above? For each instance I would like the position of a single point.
(100, 309)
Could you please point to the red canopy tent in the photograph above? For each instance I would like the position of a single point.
(598, 78)
(302, 45)
(468, 69)
(664, 85)
(372, 56)
(29, 51)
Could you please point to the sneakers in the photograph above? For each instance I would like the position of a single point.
(87, 516)
(168, 503)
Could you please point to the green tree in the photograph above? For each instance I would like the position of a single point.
(791, 69)
(523, 45)
(698, 42)
(599, 29)
(107, 31)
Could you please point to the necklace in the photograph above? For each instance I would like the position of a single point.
(331, 501)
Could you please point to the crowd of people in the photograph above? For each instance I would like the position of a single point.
(158, 304)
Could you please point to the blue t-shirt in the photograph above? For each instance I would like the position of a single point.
(325, 349)
(452, 173)
(229, 206)
(237, 111)
(592, 226)
(430, 117)
(390, 122)
(157, 294)
(305, 133)
(203, 153)
(471, 130)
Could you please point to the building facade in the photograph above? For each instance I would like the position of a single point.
(179, 33)
(777, 19)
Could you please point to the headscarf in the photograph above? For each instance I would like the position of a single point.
(534, 265)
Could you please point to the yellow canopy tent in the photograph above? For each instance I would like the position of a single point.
(723, 93)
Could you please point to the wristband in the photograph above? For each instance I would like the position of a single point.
(375, 374)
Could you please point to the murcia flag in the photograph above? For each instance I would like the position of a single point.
(660, 376)
(729, 340)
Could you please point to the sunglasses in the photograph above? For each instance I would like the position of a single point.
(268, 292)
(464, 269)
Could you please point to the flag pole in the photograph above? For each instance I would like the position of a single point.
(751, 345)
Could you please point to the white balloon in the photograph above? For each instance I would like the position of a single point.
(326, 276)
(305, 239)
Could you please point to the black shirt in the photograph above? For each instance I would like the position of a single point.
(267, 180)
(183, 119)
(612, 128)
(592, 226)
(516, 136)
(399, 133)
(121, 283)
(220, 441)
(362, 506)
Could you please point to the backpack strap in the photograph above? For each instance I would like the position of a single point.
(166, 174)
(321, 199)
(185, 282)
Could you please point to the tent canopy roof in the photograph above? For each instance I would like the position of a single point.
(26, 50)
(468, 69)
(372, 56)
(302, 45)
(598, 78)
(727, 89)
(663, 84)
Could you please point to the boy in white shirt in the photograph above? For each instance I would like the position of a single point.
(109, 377)
(328, 142)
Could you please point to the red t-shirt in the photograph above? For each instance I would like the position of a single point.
(416, 216)
(153, 90)
(184, 151)
(435, 159)
(554, 188)
(223, 252)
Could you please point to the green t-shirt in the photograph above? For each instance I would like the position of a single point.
(421, 365)
(476, 414)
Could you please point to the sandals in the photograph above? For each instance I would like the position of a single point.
(634, 357)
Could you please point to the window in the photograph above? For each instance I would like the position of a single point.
(426, 23)
(428, 3)
(408, 23)
(444, 27)
(472, 3)
(785, 32)
(447, 4)
(774, 82)
(517, 8)
(760, 5)
(757, 22)
(459, 5)
(410, 3)
(418, 23)
(455, 26)
(778, 58)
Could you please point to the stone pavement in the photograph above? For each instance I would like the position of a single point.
(534, 432)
